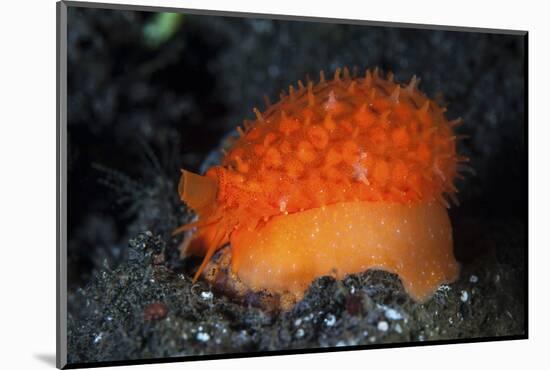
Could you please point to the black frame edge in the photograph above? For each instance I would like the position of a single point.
(61, 252)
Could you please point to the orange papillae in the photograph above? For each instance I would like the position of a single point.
(333, 160)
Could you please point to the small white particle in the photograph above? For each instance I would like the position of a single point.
(383, 326)
(464, 296)
(297, 322)
(203, 337)
(300, 333)
(392, 314)
(444, 288)
(330, 320)
(474, 279)
(207, 295)
(398, 328)
(98, 337)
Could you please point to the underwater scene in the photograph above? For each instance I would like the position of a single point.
(241, 185)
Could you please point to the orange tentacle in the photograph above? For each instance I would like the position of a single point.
(212, 247)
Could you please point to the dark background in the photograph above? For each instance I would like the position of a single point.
(146, 99)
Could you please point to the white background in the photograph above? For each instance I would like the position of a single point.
(27, 177)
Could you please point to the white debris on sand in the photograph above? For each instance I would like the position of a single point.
(392, 314)
(383, 326)
(203, 337)
(330, 320)
(207, 295)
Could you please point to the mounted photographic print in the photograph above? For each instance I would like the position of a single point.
(237, 184)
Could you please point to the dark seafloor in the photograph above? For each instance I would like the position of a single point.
(148, 95)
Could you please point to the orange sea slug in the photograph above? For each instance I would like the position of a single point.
(336, 178)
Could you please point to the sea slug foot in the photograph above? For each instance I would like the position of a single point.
(287, 253)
